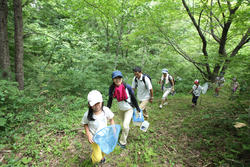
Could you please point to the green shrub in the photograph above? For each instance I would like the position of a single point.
(15, 107)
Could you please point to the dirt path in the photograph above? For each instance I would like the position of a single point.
(179, 135)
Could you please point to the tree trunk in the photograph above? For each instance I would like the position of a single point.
(18, 19)
(223, 23)
(4, 47)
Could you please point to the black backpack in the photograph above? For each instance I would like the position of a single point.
(170, 80)
(143, 79)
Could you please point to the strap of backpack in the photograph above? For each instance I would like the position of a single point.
(143, 79)
(129, 95)
(136, 82)
(170, 81)
(133, 98)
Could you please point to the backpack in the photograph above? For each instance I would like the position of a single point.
(143, 79)
(170, 80)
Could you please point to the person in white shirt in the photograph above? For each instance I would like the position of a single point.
(94, 120)
(142, 83)
(219, 82)
(167, 83)
(196, 92)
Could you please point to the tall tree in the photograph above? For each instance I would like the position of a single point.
(209, 35)
(18, 20)
(219, 29)
(4, 47)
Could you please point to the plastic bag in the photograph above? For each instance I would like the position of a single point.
(204, 88)
(138, 116)
(107, 138)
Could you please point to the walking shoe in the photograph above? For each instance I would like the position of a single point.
(103, 160)
(123, 146)
(145, 114)
(160, 106)
(166, 103)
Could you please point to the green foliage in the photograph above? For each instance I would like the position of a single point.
(26, 160)
(16, 110)
(13, 105)
(72, 47)
(212, 126)
(175, 134)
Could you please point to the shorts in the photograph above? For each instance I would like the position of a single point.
(143, 104)
(166, 92)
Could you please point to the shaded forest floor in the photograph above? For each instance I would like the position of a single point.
(178, 135)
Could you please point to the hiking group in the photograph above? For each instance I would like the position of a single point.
(98, 115)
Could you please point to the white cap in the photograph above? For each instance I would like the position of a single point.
(94, 97)
(164, 71)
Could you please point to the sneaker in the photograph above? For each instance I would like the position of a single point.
(166, 103)
(160, 106)
(103, 160)
(123, 146)
(145, 114)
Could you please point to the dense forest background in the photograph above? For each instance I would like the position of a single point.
(53, 52)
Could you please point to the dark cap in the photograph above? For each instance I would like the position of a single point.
(137, 69)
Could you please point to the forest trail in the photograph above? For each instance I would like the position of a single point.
(172, 138)
(178, 135)
(52, 53)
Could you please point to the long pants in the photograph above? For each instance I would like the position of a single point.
(194, 99)
(126, 117)
(97, 154)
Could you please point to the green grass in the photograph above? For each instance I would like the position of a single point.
(178, 135)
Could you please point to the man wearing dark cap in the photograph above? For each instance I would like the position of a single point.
(142, 83)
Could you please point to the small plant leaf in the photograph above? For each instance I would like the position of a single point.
(26, 160)
(2, 121)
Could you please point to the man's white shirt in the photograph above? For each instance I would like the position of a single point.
(143, 92)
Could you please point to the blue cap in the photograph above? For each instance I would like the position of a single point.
(116, 74)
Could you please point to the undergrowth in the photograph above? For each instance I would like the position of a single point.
(178, 135)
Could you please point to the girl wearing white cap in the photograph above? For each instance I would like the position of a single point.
(94, 120)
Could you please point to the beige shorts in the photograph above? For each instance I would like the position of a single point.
(143, 104)
(166, 92)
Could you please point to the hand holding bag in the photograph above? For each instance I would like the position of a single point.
(138, 116)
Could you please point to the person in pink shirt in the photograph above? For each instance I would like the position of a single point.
(126, 99)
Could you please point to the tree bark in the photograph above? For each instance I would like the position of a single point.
(18, 20)
(4, 47)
